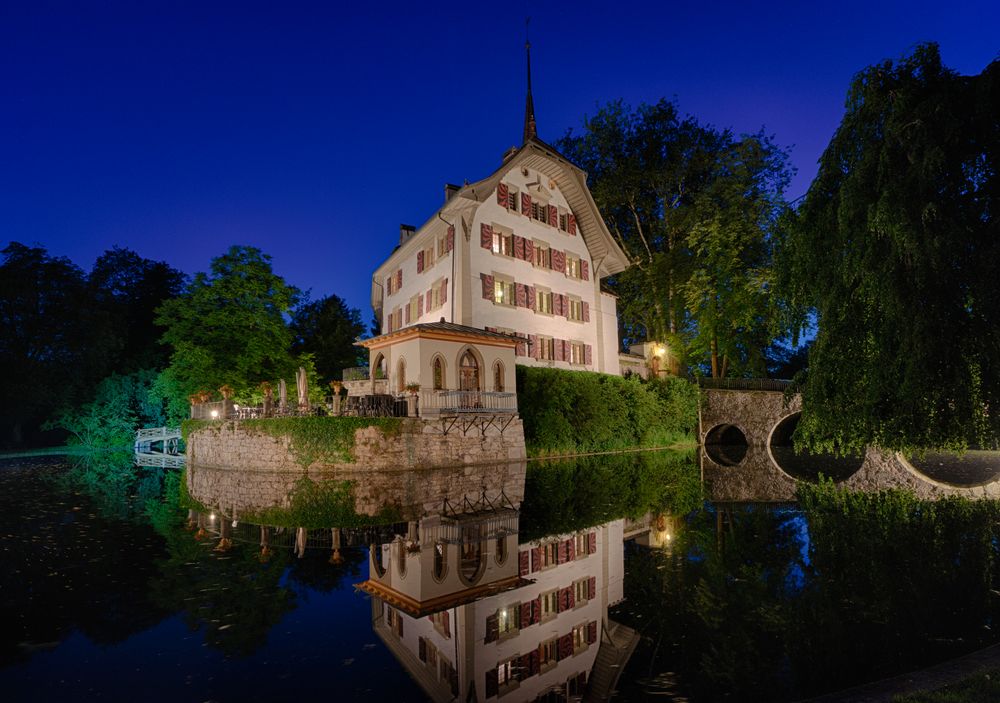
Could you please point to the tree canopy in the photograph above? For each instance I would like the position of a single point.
(895, 249)
(694, 208)
(326, 329)
(229, 326)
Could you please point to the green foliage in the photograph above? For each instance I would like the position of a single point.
(228, 327)
(326, 329)
(694, 208)
(323, 439)
(984, 686)
(321, 504)
(563, 496)
(574, 411)
(121, 405)
(895, 249)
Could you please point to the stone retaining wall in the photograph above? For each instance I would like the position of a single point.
(419, 444)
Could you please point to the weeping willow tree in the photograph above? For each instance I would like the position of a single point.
(895, 249)
(694, 208)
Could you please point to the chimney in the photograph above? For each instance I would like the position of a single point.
(449, 190)
(405, 232)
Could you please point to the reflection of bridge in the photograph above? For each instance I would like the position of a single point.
(743, 424)
(168, 436)
(160, 461)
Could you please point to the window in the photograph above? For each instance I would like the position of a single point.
(503, 292)
(435, 299)
(440, 560)
(539, 211)
(394, 282)
(543, 256)
(543, 301)
(546, 348)
(550, 552)
(581, 591)
(503, 242)
(508, 620)
(429, 257)
(575, 311)
(414, 309)
(550, 604)
(576, 353)
(507, 673)
(498, 377)
(513, 199)
(438, 373)
(501, 548)
(395, 621)
(572, 266)
(563, 221)
(581, 545)
(442, 247)
(548, 653)
(579, 638)
(395, 319)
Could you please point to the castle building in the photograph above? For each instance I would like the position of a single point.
(522, 253)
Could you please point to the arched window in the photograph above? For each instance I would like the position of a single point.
(440, 560)
(375, 552)
(437, 371)
(471, 562)
(468, 372)
(498, 377)
(401, 557)
(401, 375)
(378, 368)
(501, 550)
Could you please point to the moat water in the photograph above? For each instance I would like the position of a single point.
(546, 585)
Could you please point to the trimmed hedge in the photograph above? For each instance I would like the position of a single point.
(579, 411)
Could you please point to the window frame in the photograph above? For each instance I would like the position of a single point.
(502, 285)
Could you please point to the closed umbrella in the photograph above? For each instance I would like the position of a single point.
(303, 387)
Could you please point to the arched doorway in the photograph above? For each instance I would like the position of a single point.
(437, 373)
(498, 377)
(468, 372)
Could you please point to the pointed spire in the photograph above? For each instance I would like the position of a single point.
(529, 104)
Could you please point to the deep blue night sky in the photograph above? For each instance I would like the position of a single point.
(311, 130)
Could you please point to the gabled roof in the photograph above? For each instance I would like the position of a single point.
(538, 156)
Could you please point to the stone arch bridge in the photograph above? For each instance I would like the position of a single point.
(743, 426)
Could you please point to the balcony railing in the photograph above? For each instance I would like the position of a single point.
(456, 402)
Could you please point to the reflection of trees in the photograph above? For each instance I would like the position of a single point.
(888, 583)
(563, 496)
(64, 569)
(111, 479)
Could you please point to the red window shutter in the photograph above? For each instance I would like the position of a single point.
(520, 295)
(536, 663)
(553, 216)
(525, 615)
(529, 251)
(492, 682)
(487, 286)
(536, 611)
(524, 667)
(588, 355)
(449, 242)
(446, 622)
(592, 538)
(571, 224)
(584, 269)
(591, 632)
(591, 588)
(486, 235)
(558, 354)
(407, 314)
(526, 204)
(566, 642)
(399, 279)
(492, 628)
(524, 567)
(536, 558)
(388, 285)
(561, 552)
(430, 300)
(530, 290)
(533, 346)
(502, 195)
(420, 306)
(586, 311)
(559, 261)
(571, 598)
(444, 291)
(521, 349)
(420, 262)
(518, 247)
(570, 550)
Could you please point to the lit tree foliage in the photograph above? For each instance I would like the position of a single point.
(694, 208)
(896, 250)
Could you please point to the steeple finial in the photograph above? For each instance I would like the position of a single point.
(529, 105)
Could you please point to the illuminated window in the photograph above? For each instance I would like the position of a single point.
(550, 604)
(543, 256)
(546, 348)
(575, 311)
(503, 292)
(572, 266)
(576, 353)
(543, 300)
(503, 243)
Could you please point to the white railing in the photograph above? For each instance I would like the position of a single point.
(456, 402)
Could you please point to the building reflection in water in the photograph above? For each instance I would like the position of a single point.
(468, 609)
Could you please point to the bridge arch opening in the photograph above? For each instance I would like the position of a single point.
(726, 445)
(806, 465)
(976, 467)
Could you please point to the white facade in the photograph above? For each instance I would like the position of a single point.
(541, 631)
(520, 252)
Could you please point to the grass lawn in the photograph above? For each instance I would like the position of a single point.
(981, 687)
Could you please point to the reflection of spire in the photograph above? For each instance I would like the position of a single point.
(529, 104)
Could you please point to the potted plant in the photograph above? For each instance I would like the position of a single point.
(335, 386)
(412, 388)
